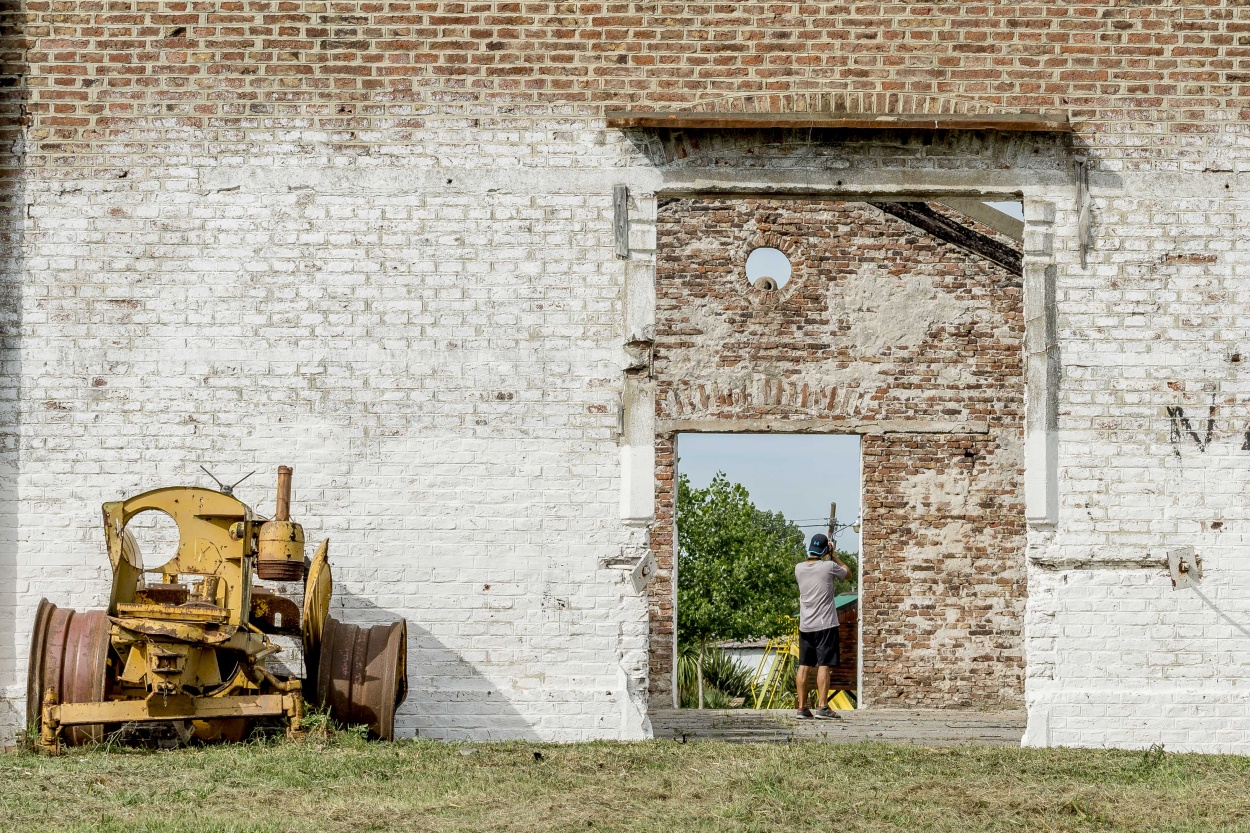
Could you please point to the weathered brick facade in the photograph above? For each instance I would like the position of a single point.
(887, 332)
(151, 73)
(375, 241)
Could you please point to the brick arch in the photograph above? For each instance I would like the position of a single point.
(877, 103)
(768, 240)
(771, 240)
(668, 146)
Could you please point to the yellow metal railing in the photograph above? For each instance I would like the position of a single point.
(777, 665)
(769, 678)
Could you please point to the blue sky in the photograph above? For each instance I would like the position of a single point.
(798, 475)
(1015, 209)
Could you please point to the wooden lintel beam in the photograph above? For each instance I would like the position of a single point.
(992, 217)
(1007, 122)
(927, 220)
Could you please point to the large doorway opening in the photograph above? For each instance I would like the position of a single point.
(901, 323)
(747, 507)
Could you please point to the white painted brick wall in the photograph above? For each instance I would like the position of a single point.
(1116, 657)
(441, 362)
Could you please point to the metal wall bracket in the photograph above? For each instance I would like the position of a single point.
(642, 572)
(1185, 567)
(641, 568)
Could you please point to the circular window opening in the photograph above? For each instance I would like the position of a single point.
(768, 268)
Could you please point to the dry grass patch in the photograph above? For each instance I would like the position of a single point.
(350, 785)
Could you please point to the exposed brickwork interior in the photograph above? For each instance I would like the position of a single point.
(845, 674)
(890, 333)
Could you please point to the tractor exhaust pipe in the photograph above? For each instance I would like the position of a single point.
(281, 555)
(282, 512)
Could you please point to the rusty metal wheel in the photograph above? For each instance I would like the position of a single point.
(318, 588)
(69, 655)
(35, 663)
(363, 674)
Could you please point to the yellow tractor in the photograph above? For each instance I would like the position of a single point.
(191, 644)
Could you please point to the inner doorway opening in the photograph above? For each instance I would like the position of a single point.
(747, 507)
(902, 322)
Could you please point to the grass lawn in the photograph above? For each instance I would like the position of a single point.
(658, 786)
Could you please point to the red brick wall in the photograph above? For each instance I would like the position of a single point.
(845, 674)
(886, 332)
(379, 72)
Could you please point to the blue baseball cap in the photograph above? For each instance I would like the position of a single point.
(819, 544)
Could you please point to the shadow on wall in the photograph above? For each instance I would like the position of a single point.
(1218, 612)
(12, 219)
(448, 698)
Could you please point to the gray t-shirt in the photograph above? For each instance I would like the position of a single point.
(817, 609)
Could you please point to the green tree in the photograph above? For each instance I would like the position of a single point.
(851, 582)
(735, 567)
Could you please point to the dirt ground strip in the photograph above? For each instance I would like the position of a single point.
(921, 727)
(646, 786)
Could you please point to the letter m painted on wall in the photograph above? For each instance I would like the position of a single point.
(1179, 427)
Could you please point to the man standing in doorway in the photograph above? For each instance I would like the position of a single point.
(818, 623)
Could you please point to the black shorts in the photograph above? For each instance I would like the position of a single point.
(819, 647)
